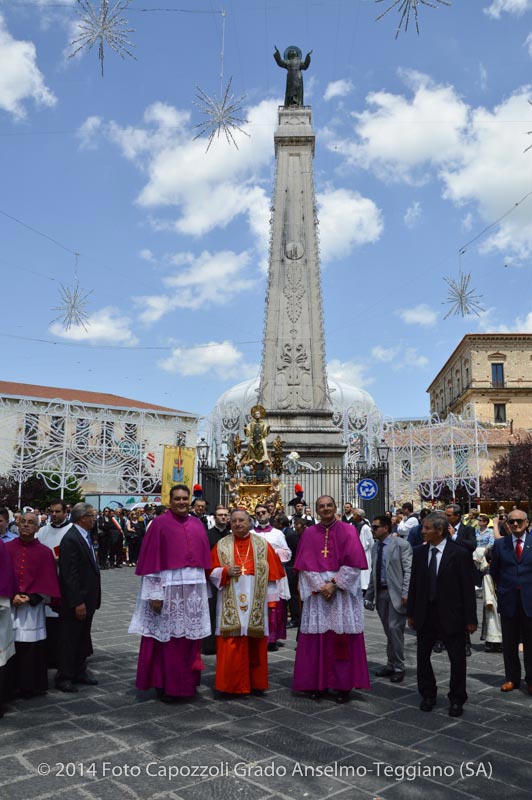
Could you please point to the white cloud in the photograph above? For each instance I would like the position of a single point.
(349, 372)
(434, 133)
(419, 315)
(20, 78)
(494, 147)
(146, 254)
(412, 358)
(510, 6)
(208, 190)
(87, 132)
(105, 325)
(400, 356)
(221, 358)
(209, 279)
(384, 354)
(528, 44)
(338, 89)
(413, 214)
(483, 75)
(400, 138)
(346, 220)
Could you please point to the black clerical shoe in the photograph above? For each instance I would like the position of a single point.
(87, 679)
(397, 677)
(317, 695)
(66, 686)
(438, 647)
(455, 710)
(384, 672)
(468, 650)
(342, 697)
(427, 704)
(273, 647)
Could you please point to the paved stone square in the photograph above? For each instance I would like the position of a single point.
(110, 742)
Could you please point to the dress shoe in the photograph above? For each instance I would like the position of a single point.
(87, 679)
(438, 647)
(66, 686)
(427, 704)
(273, 647)
(384, 672)
(397, 677)
(509, 686)
(342, 697)
(317, 695)
(468, 650)
(455, 710)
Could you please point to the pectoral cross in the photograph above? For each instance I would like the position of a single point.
(243, 569)
(325, 552)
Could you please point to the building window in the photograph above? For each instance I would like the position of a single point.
(82, 432)
(497, 376)
(31, 430)
(57, 430)
(499, 412)
(130, 431)
(106, 436)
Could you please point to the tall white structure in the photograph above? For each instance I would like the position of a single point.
(293, 382)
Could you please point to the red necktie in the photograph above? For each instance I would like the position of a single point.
(518, 549)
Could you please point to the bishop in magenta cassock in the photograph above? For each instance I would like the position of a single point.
(172, 612)
(330, 650)
(246, 569)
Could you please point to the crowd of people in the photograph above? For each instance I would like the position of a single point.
(231, 583)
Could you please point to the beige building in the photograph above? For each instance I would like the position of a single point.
(493, 373)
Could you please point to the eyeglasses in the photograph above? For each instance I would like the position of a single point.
(516, 521)
(376, 527)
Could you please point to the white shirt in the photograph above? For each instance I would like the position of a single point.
(406, 525)
(440, 548)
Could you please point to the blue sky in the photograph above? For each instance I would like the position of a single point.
(420, 147)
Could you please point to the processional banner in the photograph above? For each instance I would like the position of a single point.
(178, 467)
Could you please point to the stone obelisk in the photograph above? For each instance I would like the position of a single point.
(293, 383)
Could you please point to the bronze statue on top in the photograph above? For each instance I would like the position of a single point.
(292, 61)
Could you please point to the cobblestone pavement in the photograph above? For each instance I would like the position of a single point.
(110, 742)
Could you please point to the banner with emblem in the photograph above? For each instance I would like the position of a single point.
(178, 467)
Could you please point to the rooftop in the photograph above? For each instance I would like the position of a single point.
(30, 390)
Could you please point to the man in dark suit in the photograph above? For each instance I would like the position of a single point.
(511, 570)
(79, 579)
(441, 605)
(465, 536)
(220, 529)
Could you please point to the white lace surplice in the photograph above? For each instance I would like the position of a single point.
(343, 614)
(29, 622)
(7, 638)
(185, 610)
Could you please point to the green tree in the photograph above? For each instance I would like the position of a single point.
(511, 476)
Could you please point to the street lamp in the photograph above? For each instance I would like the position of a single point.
(383, 452)
(202, 449)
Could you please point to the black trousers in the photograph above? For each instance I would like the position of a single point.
(517, 629)
(455, 646)
(293, 603)
(75, 645)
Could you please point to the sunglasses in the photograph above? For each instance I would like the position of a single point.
(516, 521)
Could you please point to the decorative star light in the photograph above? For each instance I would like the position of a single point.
(221, 115)
(72, 306)
(461, 298)
(408, 7)
(104, 26)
